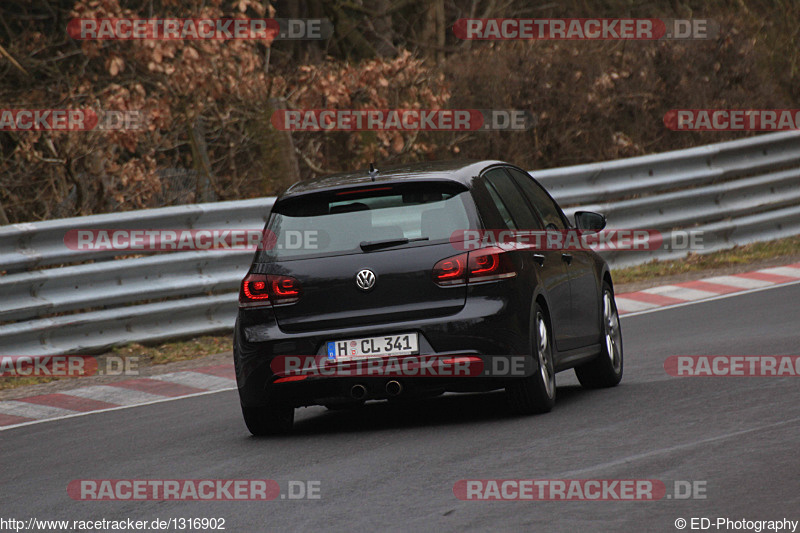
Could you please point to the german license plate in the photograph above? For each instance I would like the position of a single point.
(384, 346)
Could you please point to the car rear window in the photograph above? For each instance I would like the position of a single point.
(337, 223)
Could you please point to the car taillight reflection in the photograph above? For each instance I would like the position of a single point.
(261, 290)
(488, 264)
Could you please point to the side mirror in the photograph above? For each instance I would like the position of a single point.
(589, 220)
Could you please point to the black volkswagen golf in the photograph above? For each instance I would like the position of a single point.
(384, 284)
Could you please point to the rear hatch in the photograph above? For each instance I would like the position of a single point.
(398, 232)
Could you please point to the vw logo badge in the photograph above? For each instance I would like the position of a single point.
(365, 279)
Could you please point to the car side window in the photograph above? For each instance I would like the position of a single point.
(486, 205)
(546, 208)
(501, 207)
(509, 195)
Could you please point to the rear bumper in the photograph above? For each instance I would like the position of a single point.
(492, 331)
(262, 386)
(325, 391)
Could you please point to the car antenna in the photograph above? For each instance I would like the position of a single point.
(373, 171)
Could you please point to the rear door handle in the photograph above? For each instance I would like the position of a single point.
(539, 258)
(567, 258)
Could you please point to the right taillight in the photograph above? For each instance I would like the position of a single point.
(263, 290)
(488, 264)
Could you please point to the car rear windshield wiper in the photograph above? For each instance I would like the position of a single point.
(388, 243)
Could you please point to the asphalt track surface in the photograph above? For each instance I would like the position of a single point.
(394, 468)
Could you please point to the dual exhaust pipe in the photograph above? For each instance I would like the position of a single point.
(359, 391)
(394, 388)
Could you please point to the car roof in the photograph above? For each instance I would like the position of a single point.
(460, 171)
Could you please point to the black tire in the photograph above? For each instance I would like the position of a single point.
(536, 393)
(606, 369)
(268, 420)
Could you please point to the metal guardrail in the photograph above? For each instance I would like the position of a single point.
(734, 193)
(103, 300)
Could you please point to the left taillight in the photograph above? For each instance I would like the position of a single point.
(264, 290)
(451, 271)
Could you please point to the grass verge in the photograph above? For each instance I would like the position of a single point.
(740, 255)
(138, 355)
